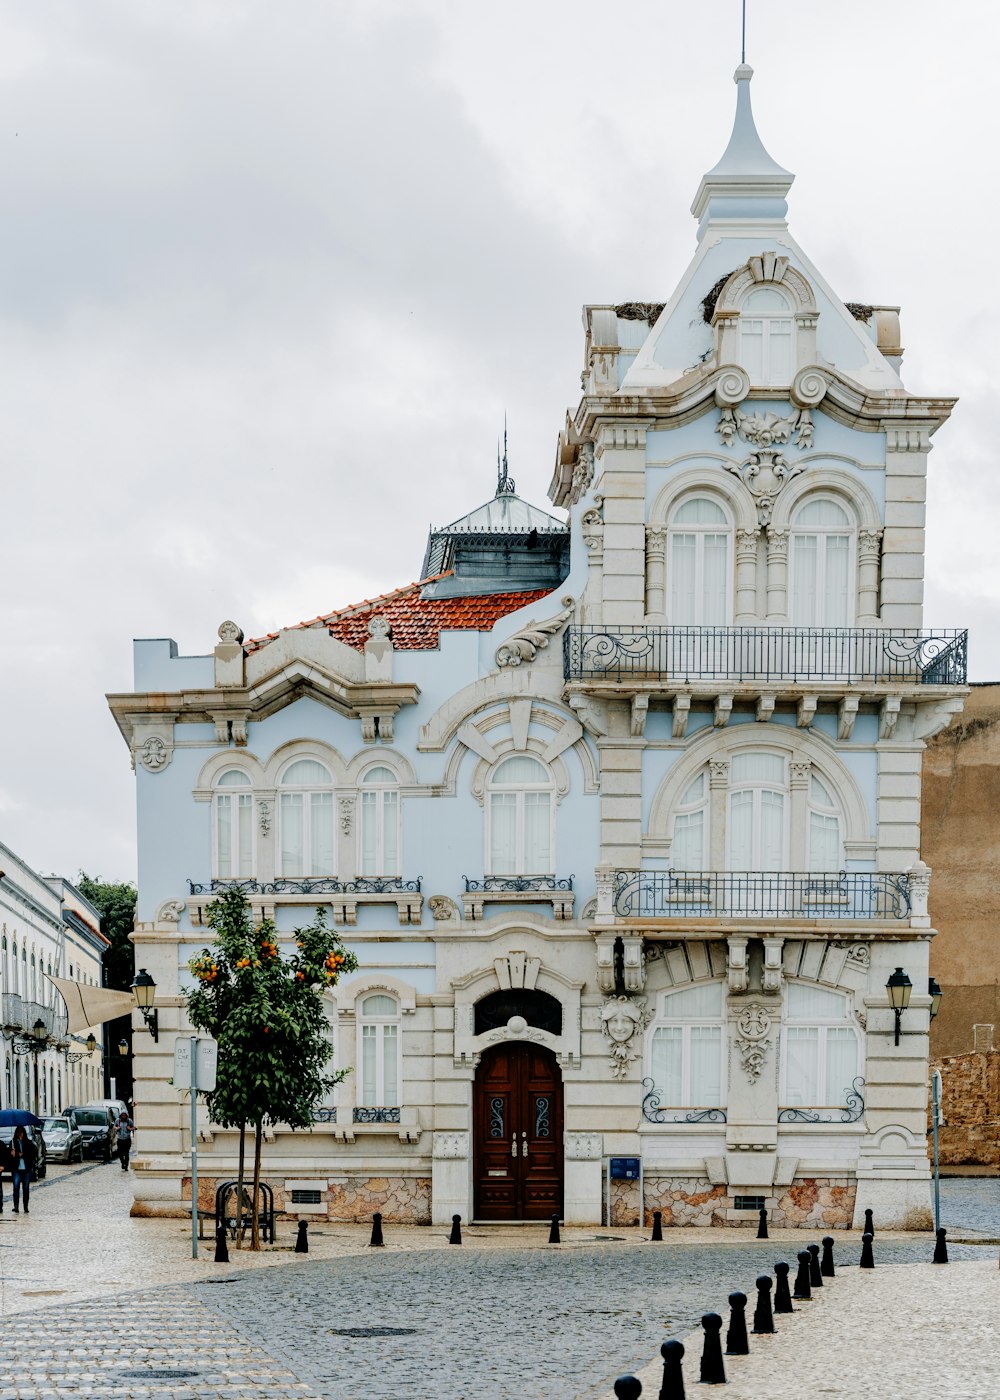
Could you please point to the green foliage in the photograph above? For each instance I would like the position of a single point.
(267, 1014)
(117, 905)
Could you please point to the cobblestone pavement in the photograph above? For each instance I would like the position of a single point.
(971, 1203)
(498, 1318)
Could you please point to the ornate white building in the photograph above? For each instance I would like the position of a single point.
(628, 850)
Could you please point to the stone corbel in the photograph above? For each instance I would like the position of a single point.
(737, 966)
(773, 950)
(889, 716)
(604, 948)
(375, 724)
(640, 708)
(633, 963)
(765, 706)
(153, 744)
(605, 881)
(806, 711)
(847, 713)
(723, 710)
(682, 709)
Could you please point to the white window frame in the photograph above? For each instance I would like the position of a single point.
(846, 531)
(823, 1024)
(519, 790)
(758, 786)
(235, 790)
(306, 792)
(675, 528)
(686, 1024)
(378, 791)
(685, 809)
(814, 807)
(378, 1023)
(767, 318)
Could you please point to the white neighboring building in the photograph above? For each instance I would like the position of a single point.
(47, 928)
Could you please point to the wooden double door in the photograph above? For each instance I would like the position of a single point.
(518, 1134)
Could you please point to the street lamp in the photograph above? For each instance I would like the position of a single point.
(123, 1048)
(77, 1055)
(935, 994)
(899, 988)
(33, 1045)
(144, 991)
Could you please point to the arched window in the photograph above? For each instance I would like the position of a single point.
(825, 848)
(6, 967)
(822, 567)
(15, 970)
(378, 1031)
(305, 820)
(699, 564)
(379, 826)
(520, 818)
(538, 1008)
(34, 979)
(233, 826)
(685, 1048)
(689, 846)
(25, 985)
(820, 1048)
(766, 337)
(758, 830)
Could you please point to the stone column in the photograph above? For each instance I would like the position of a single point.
(582, 1185)
(869, 543)
(592, 526)
(777, 575)
(746, 575)
(656, 571)
(798, 816)
(752, 1101)
(718, 795)
(451, 1177)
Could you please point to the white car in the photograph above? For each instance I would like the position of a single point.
(63, 1139)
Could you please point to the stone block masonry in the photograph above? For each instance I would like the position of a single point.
(402, 1200)
(970, 1110)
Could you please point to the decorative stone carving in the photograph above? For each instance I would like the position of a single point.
(589, 910)
(170, 911)
(860, 955)
(346, 809)
(230, 633)
(154, 754)
(526, 644)
(264, 817)
(622, 1019)
(731, 388)
(451, 1146)
(766, 470)
(591, 713)
(718, 772)
(584, 1147)
(737, 964)
(862, 1019)
(753, 1028)
(808, 389)
(443, 909)
(583, 472)
(378, 627)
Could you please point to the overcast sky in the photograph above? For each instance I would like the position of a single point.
(271, 274)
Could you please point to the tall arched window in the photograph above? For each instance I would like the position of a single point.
(379, 826)
(16, 977)
(698, 564)
(821, 583)
(767, 337)
(520, 818)
(378, 1029)
(305, 820)
(758, 830)
(825, 848)
(820, 1047)
(233, 802)
(34, 979)
(6, 967)
(685, 1055)
(689, 846)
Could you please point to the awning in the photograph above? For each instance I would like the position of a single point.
(91, 1006)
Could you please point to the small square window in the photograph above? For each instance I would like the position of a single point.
(748, 1203)
(307, 1198)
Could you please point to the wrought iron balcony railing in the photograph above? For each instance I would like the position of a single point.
(845, 654)
(518, 884)
(381, 884)
(12, 1011)
(751, 894)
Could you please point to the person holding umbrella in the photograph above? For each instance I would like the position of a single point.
(5, 1166)
(23, 1154)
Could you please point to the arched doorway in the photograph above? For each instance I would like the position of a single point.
(517, 1134)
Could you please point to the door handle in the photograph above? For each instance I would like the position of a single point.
(524, 1144)
(513, 1147)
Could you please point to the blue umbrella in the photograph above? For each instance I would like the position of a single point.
(17, 1118)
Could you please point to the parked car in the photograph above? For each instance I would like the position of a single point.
(41, 1162)
(63, 1139)
(117, 1106)
(100, 1136)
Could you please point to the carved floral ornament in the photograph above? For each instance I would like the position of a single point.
(525, 644)
(753, 1030)
(154, 753)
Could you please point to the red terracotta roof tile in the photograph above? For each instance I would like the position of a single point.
(416, 622)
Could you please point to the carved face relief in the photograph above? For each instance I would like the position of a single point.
(621, 1018)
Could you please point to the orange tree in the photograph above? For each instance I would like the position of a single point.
(267, 1013)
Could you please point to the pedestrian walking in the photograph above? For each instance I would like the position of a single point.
(5, 1166)
(23, 1154)
(125, 1130)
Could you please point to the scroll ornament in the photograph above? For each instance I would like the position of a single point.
(530, 640)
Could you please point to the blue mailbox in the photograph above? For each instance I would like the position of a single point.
(624, 1168)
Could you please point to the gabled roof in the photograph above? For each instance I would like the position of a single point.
(415, 622)
(507, 514)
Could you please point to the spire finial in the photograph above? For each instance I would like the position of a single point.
(743, 39)
(747, 183)
(505, 482)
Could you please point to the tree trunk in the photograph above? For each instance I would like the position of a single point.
(255, 1223)
(239, 1186)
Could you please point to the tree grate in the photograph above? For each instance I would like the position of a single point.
(372, 1331)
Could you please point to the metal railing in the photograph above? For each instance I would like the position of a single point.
(846, 654)
(674, 894)
(375, 884)
(12, 1010)
(519, 884)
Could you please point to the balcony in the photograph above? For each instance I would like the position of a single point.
(741, 894)
(518, 889)
(842, 655)
(12, 1011)
(343, 896)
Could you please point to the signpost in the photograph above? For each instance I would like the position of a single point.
(936, 1121)
(195, 1061)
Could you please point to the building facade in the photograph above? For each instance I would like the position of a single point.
(621, 816)
(47, 928)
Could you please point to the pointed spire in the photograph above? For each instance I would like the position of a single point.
(505, 482)
(747, 183)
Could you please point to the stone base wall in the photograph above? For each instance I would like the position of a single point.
(970, 1107)
(685, 1201)
(816, 1201)
(402, 1200)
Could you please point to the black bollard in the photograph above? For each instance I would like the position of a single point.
(737, 1341)
(869, 1223)
(554, 1230)
(762, 1227)
(815, 1273)
(221, 1245)
(782, 1297)
(302, 1239)
(867, 1257)
(456, 1230)
(673, 1373)
(376, 1238)
(657, 1228)
(763, 1317)
(941, 1248)
(713, 1369)
(802, 1291)
(826, 1265)
(628, 1388)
